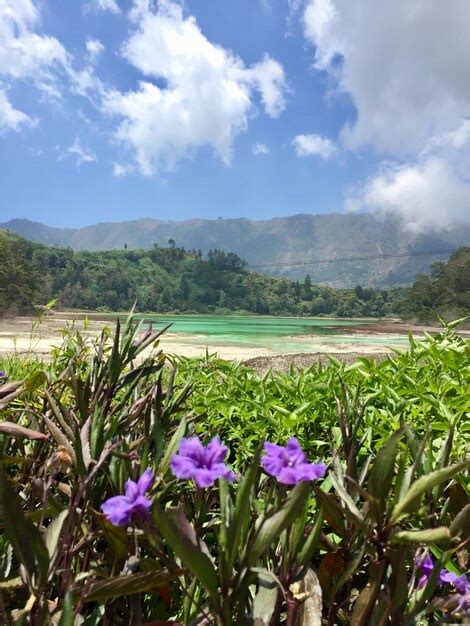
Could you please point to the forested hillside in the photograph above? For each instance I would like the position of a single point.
(277, 246)
(165, 280)
(444, 292)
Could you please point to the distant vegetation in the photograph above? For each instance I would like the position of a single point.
(445, 292)
(166, 280)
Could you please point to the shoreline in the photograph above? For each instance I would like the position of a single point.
(34, 338)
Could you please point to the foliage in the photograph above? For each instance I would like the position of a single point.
(445, 292)
(165, 280)
(19, 276)
(255, 552)
(425, 386)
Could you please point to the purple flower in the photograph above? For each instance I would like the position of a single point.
(289, 465)
(3, 374)
(120, 509)
(462, 584)
(463, 605)
(425, 565)
(203, 464)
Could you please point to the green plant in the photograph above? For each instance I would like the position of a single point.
(341, 551)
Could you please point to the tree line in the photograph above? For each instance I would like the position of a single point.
(172, 279)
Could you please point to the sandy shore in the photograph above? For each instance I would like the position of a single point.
(24, 336)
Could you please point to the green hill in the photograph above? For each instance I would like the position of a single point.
(165, 280)
(444, 292)
(274, 246)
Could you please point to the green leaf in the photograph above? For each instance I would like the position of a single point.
(429, 536)
(236, 534)
(272, 526)
(460, 527)
(351, 509)
(67, 615)
(53, 532)
(173, 446)
(311, 542)
(127, 585)
(25, 538)
(331, 508)
(190, 555)
(381, 475)
(423, 484)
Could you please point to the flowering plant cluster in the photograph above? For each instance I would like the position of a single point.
(204, 465)
(98, 527)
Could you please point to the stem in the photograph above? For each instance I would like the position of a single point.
(292, 605)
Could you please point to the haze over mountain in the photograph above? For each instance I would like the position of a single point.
(274, 246)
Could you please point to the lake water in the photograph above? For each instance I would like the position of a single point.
(276, 333)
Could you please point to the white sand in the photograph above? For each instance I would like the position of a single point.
(19, 336)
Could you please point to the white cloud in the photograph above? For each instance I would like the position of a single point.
(268, 77)
(11, 118)
(26, 55)
(260, 148)
(82, 154)
(204, 93)
(308, 145)
(121, 170)
(425, 194)
(23, 52)
(405, 65)
(94, 48)
(105, 5)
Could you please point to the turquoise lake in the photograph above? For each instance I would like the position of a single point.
(276, 333)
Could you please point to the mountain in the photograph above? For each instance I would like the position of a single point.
(274, 246)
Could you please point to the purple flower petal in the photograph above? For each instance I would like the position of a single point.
(313, 471)
(204, 477)
(145, 481)
(289, 464)
(141, 506)
(215, 451)
(120, 509)
(192, 448)
(182, 466)
(131, 489)
(464, 604)
(289, 476)
(203, 464)
(447, 577)
(294, 451)
(462, 584)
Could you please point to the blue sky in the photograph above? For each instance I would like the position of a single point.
(121, 109)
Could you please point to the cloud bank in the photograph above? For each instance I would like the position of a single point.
(405, 65)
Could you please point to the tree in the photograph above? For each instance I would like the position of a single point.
(307, 288)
